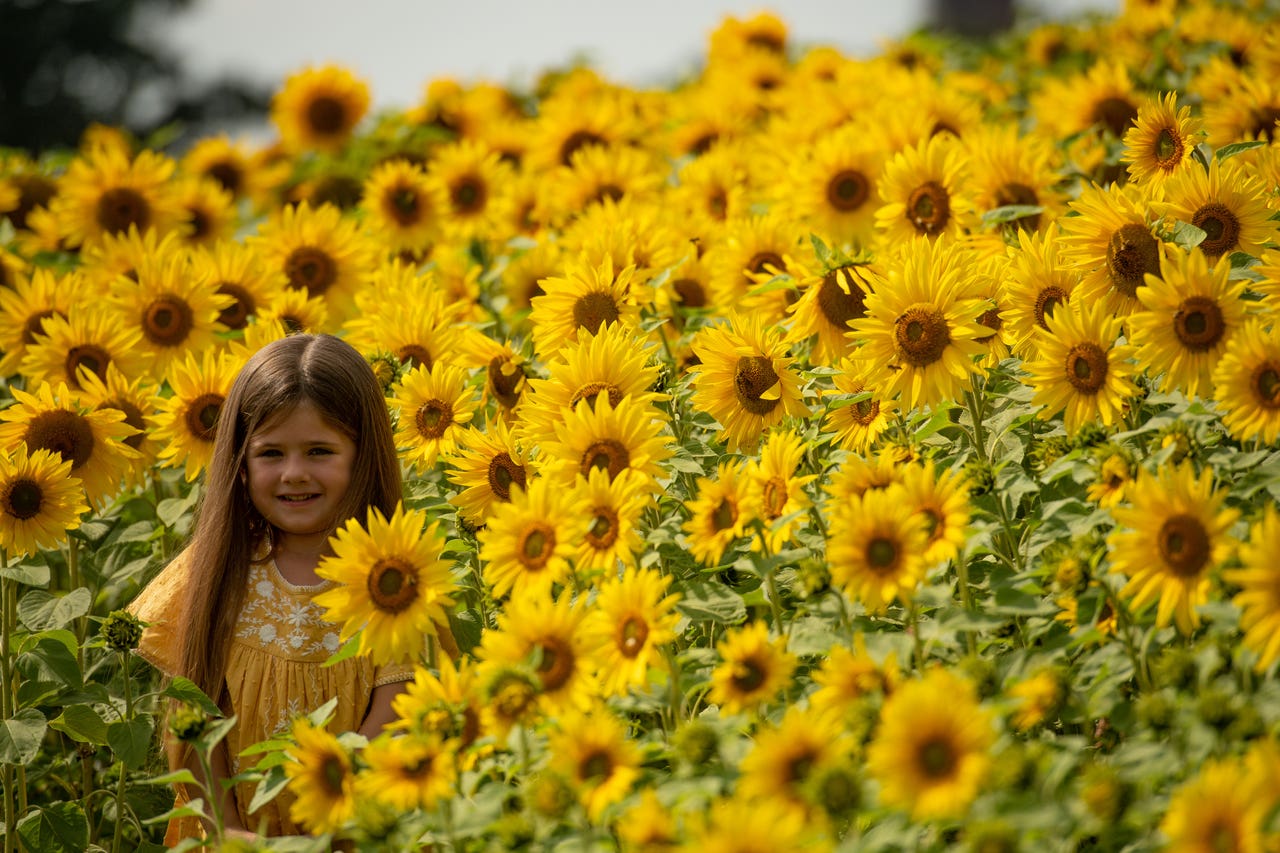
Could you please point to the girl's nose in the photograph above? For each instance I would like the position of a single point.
(294, 469)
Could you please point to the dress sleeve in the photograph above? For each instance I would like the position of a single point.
(158, 605)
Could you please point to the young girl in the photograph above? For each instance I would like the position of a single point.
(303, 443)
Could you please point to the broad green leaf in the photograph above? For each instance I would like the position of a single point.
(185, 690)
(30, 574)
(271, 785)
(41, 611)
(1010, 213)
(20, 736)
(50, 657)
(130, 740)
(320, 716)
(54, 828)
(81, 723)
(1188, 236)
(183, 776)
(170, 511)
(193, 808)
(1234, 148)
(711, 602)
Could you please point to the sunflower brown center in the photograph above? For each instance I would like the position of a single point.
(35, 324)
(1022, 195)
(761, 262)
(1221, 228)
(120, 207)
(774, 498)
(33, 191)
(311, 269)
(848, 190)
(838, 306)
(578, 140)
(415, 355)
(595, 766)
(503, 473)
(22, 499)
(201, 223)
(593, 390)
(603, 531)
(392, 584)
(991, 320)
(937, 758)
(595, 309)
(228, 174)
(882, 555)
(333, 774)
(865, 411)
(202, 416)
(1047, 299)
(607, 453)
(433, 418)
(929, 208)
(1184, 545)
(132, 416)
(752, 378)
(236, 315)
(557, 663)
(725, 515)
(505, 379)
(1265, 383)
(1131, 254)
(1168, 149)
(1115, 114)
(1198, 323)
(92, 358)
(326, 115)
(168, 321)
(63, 432)
(468, 195)
(512, 697)
(537, 544)
(921, 334)
(403, 205)
(632, 634)
(1263, 121)
(690, 292)
(718, 205)
(748, 675)
(1086, 367)
(342, 191)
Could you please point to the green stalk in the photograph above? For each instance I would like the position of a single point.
(913, 620)
(966, 599)
(674, 699)
(120, 784)
(7, 695)
(977, 405)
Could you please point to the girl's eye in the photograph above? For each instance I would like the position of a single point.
(268, 452)
(320, 451)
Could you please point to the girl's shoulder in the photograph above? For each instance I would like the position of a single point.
(159, 605)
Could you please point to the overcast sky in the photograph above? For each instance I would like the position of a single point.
(399, 45)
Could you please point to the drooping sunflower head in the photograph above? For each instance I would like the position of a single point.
(318, 108)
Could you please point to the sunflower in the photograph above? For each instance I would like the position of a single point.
(407, 772)
(319, 252)
(105, 192)
(1114, 469)
(33, 186)
(920, 325)
(584, 300)
(599, 176)
(1246, 383)
(876, 544)
(647, 826)
(394, 585)
(489, 466)
(943, 500)
(833, 186)
(1169, 538)
(545, 634)
(600, 436)
(567, 124)
(318, 108)
(1080, 370)
(174, 313)
(233, 269)
(1009, 168)
(234, 168)
(753, 669)
(1259, 582)
(189, 418)
(1161, 143)
(1037, 282)
(14, 270)
(611, 362)
(1226, 202)
(92, 441)
(25, 306)
(786, 757)
(468, 182)
(138, 399)
(744, 258)
(322, 778)
(632, 618)
(828, 303)
(1248, 110)
(739, 824)
(922, 188)
(527, 542)
(1220, 808)
(506, 370)
(398, 207)
(445, 706)
(207, 211)
(39, 501)
(1037, 698)
(593, 752)
(856, 475)
(1101, 100)
(84, 340)
(775, 494)
(848, 676)
(123, 254)
(432, 406)
(930, 753)
(607, 511)
(857, 426)
(744, 379)
(718, 516)
(632, 233)
(1112, 244)
(988, 284)
(714, 187)
(1192, 310)
(403, 311)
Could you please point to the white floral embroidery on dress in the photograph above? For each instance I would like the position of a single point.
(282, 617)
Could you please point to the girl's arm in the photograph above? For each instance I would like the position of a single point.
(380, 712)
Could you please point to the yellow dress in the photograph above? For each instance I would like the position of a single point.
(274, 672)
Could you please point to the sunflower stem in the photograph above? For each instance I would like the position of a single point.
(913, 626)
(7, 696)
(674, 697)
(966, 599)
(976, 400)
(775, 605)
(120, 784)
(1124, 627)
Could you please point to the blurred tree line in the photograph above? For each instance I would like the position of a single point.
(65, 64)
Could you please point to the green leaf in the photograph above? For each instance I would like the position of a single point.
(183, 777)
(271, 785)
(40, 610)
(170, 511)
(711, 602)
(685, 465)
(130, 740)
(30, 574)
(81, 723)
(1009, 213)
(1188, 236)
(20, 736)
(91, 531)
(349, 649)
(1231, 150)
(185, 690)
(61, 826)
(320, 716)
(193, 808)
(49, 655)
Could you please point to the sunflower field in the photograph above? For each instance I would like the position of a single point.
(827, 452)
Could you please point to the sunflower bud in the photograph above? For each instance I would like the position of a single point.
(1216, 708)
(980, 476)
(122, 631)
(991, 838)
(696, 743)
(1176, 668)
(1155, 711)
(836, 790)
(1104, 793)
(188, 723)
(1048, 450)
(812, 577)
(386, 369)
(550, 795)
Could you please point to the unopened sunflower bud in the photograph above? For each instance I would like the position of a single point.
(696, 743)
(386, 369)
(991, 838)
(122, 631)
(188, 723)
(550, 795)
(1104, 793)
(835, 789)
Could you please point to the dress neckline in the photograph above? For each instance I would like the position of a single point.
(296, 587)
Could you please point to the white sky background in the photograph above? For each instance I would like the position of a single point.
(397, 46)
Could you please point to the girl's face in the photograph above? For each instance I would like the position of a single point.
(299, 467)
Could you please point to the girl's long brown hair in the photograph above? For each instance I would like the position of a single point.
(229, 533)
